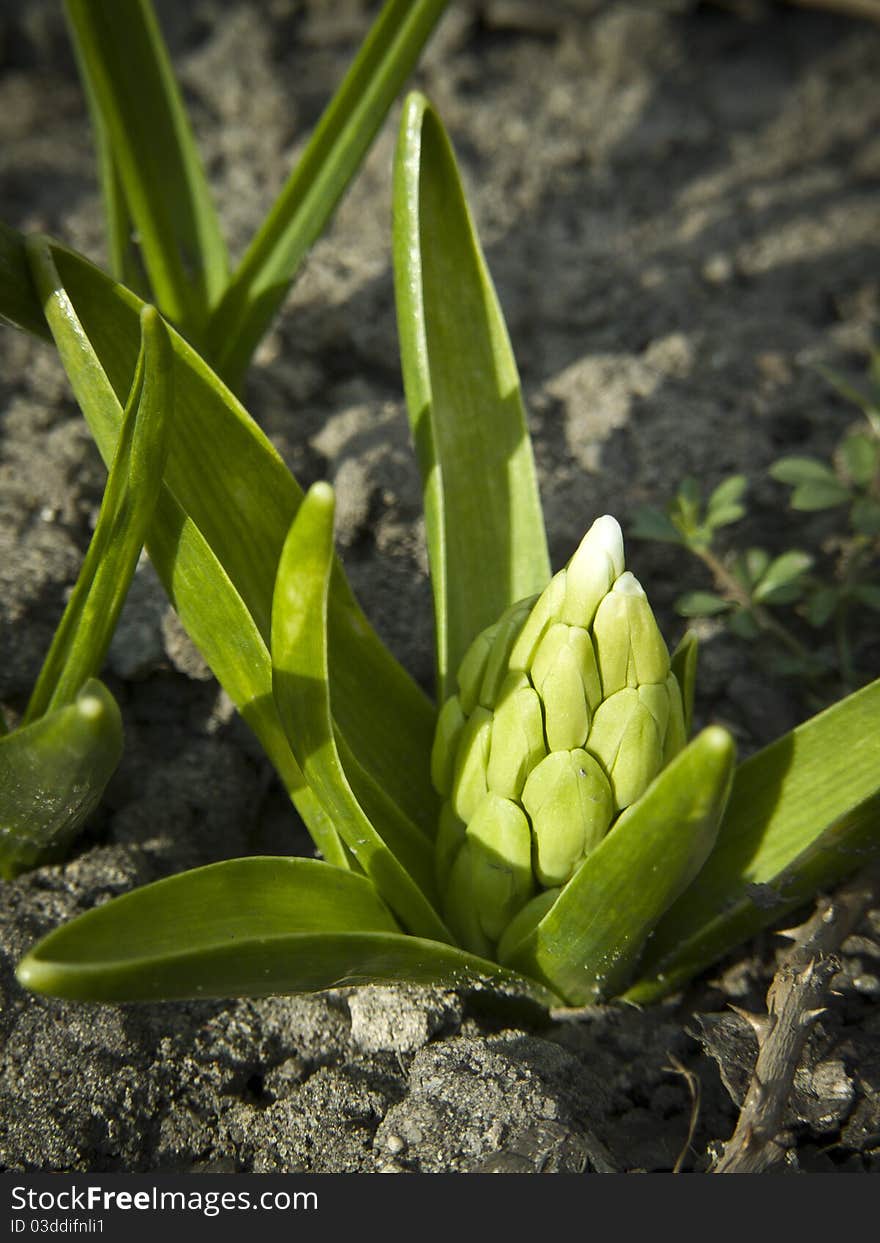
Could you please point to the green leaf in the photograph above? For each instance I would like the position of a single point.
(860, 456)
(52, 775)
(729, 492)
(803, 813)
(86, 628)
(865, 516)
(131, 83)
(650, 523)
(332, 157)
(784, 571)
(300, 683)
(819, 495)
(586, 946)
(485, 527)
(751, 566)
(248, 928)
(700, 604)
(724, 515)
(725, 503)
(223, 513)
(801, 470)
(19, 303)
(126, 261)
(684, 666)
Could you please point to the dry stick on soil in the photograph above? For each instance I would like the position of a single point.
(794, 1002)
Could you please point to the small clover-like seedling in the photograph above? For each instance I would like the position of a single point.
(749, 586)
(55, 765)
(852, 480)
(551, 829)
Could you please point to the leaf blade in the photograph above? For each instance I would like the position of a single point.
(53, 773)
(178, 938)
(224, 511)
(300, 683)
(83, 635)
(311, 193)
(485, 527)
(586, 946)
(783, 808)
(121, 52)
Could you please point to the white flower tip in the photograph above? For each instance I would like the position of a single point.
(628, 585)
(606, 534)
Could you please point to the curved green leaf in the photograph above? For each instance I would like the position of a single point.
(587, 945)
(223, 513)
(248, 928)
(701, 604)
(52, 775)
(86, 628)
(684, 665)
(130, 80)
(333, 155)
(796, 470)
(803, 813)
(485, 528)
(302, 693)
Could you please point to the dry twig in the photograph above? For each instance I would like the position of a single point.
(794, 1002)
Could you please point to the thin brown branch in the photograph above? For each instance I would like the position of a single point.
(794, 1002)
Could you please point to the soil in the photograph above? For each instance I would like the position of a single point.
(680, 205)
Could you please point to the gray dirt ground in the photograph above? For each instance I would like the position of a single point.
(680, 205)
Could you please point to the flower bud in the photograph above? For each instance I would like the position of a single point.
(447, 735)
(546, 611)
(500, 847)
(472, 669)
(592, 570)
(566, 712)
(517, 742)
(629, 646)
(569, 802)
(627, 742)
(470, 781)
(564, 673)
(503, 639)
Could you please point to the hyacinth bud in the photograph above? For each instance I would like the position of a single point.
(565, 713)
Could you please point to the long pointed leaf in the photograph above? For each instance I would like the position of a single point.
(86, 628)
(52, 775)
(333, 155)
(19, 304)
(126, 263)
(485, 527)
(804, 813)
(221, 520)
(302, 693)
(121, 53)
(230, 926)
(586, 946)
(249, 928)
